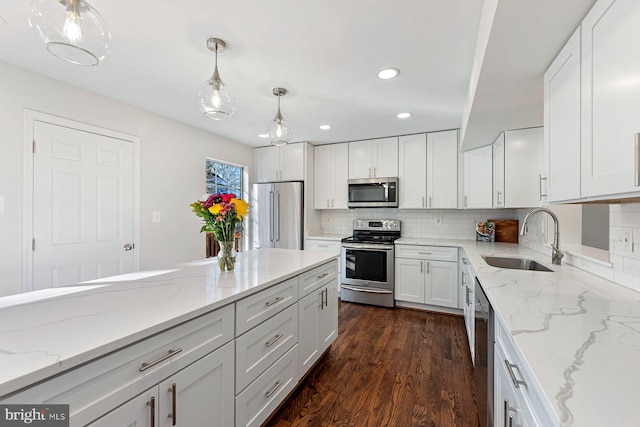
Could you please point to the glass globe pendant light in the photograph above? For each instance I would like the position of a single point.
(214, 100)
(280, 132)
(72, 30)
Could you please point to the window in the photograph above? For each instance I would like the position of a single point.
(224, 178)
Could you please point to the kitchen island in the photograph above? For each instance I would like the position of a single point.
(578, 335)
(50, 334)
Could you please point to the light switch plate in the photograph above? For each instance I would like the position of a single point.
(156, 216)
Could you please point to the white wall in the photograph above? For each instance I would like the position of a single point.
(172, 167)
(455, 224)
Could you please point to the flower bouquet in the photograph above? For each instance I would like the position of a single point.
(222, 215)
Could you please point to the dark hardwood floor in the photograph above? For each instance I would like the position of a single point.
(388, 367)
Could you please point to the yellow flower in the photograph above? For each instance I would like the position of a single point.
(215, 209)
(242, 207)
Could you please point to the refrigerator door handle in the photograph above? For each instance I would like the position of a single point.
(271, 209)
(277, 217)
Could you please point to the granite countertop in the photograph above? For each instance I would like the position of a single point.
(44, 333)
(579, 333)
(333, 237)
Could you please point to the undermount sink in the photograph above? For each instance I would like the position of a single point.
(515, 263)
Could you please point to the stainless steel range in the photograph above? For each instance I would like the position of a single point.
(368, 261)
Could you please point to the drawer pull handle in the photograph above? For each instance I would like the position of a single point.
(152, 405)
(425, 253)
(323, 246)
(508, 408)
(171, 353)
(465, 261)
(274, 301)
(322, 276)
(275, 387)
(326, 297)
(273, 340)
(174, 413)
(512, 374)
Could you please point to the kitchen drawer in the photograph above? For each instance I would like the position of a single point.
(103, 384)
(313, 279)
(435, 253)
(260, 347)
(262, 397)
(323, 245)
(255, 309)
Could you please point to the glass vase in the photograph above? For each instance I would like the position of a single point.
(226, 256)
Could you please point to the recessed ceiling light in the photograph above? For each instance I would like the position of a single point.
(388, 73)
(263, 135)
(404, 115)
(325, 127)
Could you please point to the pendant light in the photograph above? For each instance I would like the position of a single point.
(72, 30)
(280, 132)
(214, 100)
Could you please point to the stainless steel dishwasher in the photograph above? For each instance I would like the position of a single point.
(483, 366)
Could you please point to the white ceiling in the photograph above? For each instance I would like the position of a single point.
(325, 53)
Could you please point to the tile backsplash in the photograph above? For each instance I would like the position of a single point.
(433, 223)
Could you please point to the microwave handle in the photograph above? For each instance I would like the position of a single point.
(386, 191)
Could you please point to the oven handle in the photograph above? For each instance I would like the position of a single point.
(369, 247)
(370, 291)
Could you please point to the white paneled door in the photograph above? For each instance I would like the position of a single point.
(82, 206)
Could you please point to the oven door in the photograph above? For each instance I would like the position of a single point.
(368, 266)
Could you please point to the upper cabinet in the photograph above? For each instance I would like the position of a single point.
(428, 170)
(331, 172)
(562, 123)
(517, 169)
(478, 177)
(373, 158)
(284, 163)
(610, 98)
(599, 123)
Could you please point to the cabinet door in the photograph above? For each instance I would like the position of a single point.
(360, 159)
(523, 185)
(498, 172)
(329, 316)
(442, 170)
(267, 163)
(412, 171)
(322, 177)
(562, 123)
(469, 312)
(441, 284)
(340, 174)
(385, 157)
(478, 175)
(610, 97)
(292, 162)
(409, 280)
(137, 412)
(201, 394)
(309, 330)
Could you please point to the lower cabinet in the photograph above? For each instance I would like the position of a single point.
(511, 409)
(178, 400)
(427, 275)
(467, 300)
(318, 314)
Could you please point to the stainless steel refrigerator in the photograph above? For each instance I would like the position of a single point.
(277, 215)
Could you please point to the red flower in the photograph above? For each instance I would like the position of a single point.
(227, 197)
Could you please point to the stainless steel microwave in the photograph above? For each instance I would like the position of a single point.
(373, 193)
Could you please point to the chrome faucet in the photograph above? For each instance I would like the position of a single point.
(556, 255)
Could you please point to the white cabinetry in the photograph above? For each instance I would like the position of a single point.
(478, 175)
(428, 170)
(517, 168)
(562, 123)
(518, 399)
(467, 299)
(427, 275)
(284, 163)
(318, 313)
(610, 97)
(178, 400)
(331, 172)
(373, 158)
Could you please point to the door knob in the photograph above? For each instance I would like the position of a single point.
(128, 246)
